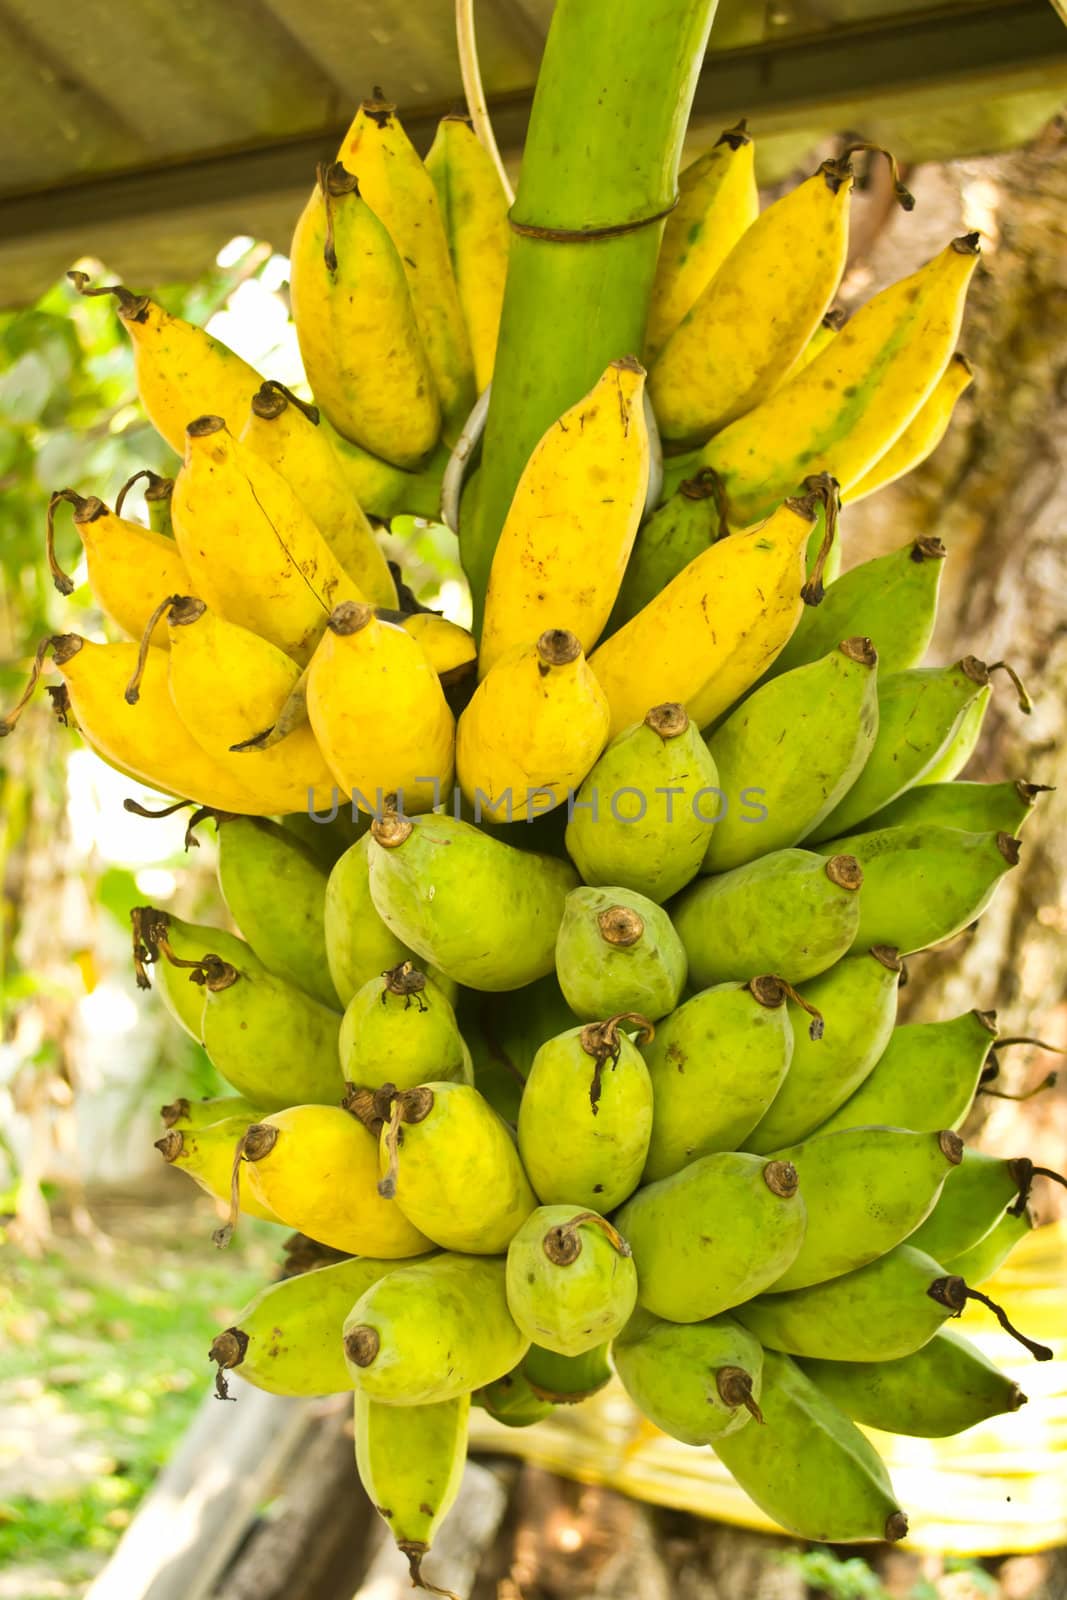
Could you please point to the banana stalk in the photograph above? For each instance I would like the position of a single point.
(598, 176)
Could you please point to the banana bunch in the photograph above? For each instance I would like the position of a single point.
(574, 1048)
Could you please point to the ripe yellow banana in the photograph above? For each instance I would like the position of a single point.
(923, 434)
(830, 325)
(713, 630)
(287, 435)
(356, 326)
(474, 210)
(400, 191)
(532, 731)
(450, 649)
(379, 713)
(182, 371)
(841, 413)
(717, 200)
(251, 549)
(572, 523)
(130, 567)
(751, 324)
(147, 740)
(227, 685)
(206, 1154)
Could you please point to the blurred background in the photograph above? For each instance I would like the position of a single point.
(110, 1290)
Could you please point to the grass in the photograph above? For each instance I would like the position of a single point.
(103, 1360)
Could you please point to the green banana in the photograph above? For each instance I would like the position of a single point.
(197, 1114)
(481, 910)
(286, 1340)
(943, 1388)
(276, 893)
(716, 1065)
(891, 600)
(616, 951)
(450, 1163)
(513, 1401)
(713, 1235)
(571, 1280)
(961, 747)
(804, 740)
(327, 840)
(809, 1467)
(410, 1461)
(675, 534)
(919, 712)
(399, 1029)
(865, 1190)
(857, 1000)
(697, 1381)
(566, 1380)
(665, 763)
(972, 1202)
(926, 1079)
(974, 807)
(155, 932)
(505, 1032)
(432, 1330)
(790, 913)
(586, 1116)
(978, 1264)
(922, 885)
(359, 946)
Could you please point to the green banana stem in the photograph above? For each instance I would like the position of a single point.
(598, 176)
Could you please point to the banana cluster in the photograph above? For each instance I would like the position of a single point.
(577, 1050)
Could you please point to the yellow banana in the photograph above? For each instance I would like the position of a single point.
(841, 413)
(450, 649)
(227, 685)
(206, 1154)
(717, 200)
(130, 567)
(379, 713)
(287, 435)
(924, 432)
(532, 731)
(410, 1461)
(182, 371)
(713, 630)
(751, 324)
(147, 740)
(251, 549)
(474, 210)
(572, 523)
(400, 192)
(356, 326)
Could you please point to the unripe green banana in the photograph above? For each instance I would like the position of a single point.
(571, 1280)
(586, 1116)
(410, 1461)
(513, 1401)
(432, 1331)
(451, 1164)
(926, 1079)
(716, 1065)
(327, 841)
(675, 534)
(197, 1114)
(943, 1388)
(697, 1381)
(266, 1037)
(155, 931)
(972, 1202)
(616, 951)
(286, 1340)
(713, 1235)
(865, 1190)
(790, 913)
(919, 712)
(399, 1029)
(857, 1000)
(978, 1264)
(276, 892)
(481, 910)
(505, 1032)
(974, 807)
(359, 946)
(892, 600)
(207, 1154)
(961, 747)
(656, 850)
(831, 707)
(566, 1380)
(922, 885)
(809, 1467)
